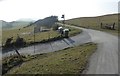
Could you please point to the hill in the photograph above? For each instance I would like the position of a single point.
(48, 21)
(5, 24)
(95, 22)
(13, 24)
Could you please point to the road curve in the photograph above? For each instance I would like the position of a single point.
(103, 61)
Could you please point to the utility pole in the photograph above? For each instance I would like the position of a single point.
(34, 39)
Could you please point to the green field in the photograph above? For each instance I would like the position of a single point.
(29, 38)
(71, 60)
(94, 22)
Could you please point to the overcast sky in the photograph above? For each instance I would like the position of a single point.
(11, 10)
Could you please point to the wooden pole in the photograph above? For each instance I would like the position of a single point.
(18, 53)
(34, 39)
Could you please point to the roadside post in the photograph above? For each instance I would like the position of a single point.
(34, 39)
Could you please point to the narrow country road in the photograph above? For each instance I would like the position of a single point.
(103, 61)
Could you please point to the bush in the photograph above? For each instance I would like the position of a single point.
(8, 42)
(10, 62)
(20, 42)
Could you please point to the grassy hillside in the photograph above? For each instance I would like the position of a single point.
(94, 22)
(29, 38)
(67, 61)
(14, 33)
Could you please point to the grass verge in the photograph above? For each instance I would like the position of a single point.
(71, 60)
